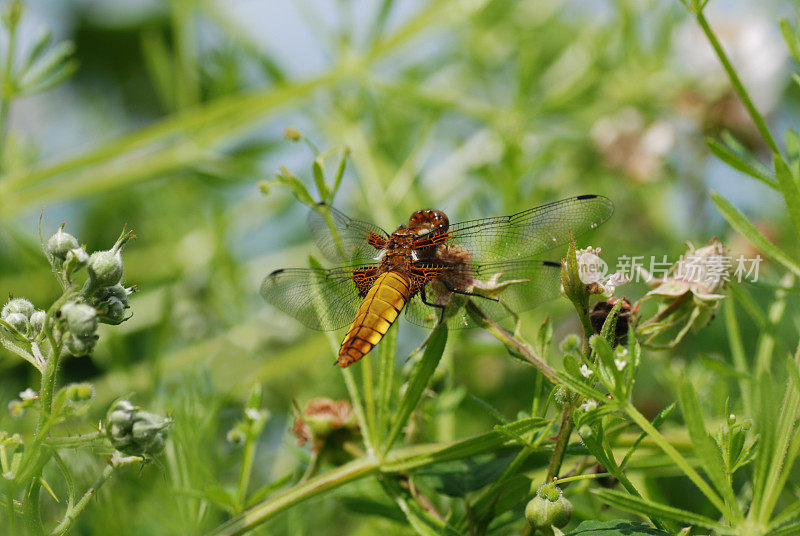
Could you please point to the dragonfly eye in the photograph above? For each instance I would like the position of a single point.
(430, 220)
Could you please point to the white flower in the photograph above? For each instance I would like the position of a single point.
(253, 414)
(592, 272)
(586, 371)
(28, 394)
(589, 405)
(620, 364)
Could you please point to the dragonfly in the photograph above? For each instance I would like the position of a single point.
(429, 268)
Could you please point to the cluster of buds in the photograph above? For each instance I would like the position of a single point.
(134, 431)
(21, 320)
(548, 509)
(329, 425)
(102, 298)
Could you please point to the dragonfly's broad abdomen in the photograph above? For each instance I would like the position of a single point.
(380, 308)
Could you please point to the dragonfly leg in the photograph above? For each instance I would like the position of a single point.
(424, 298)
(454, 290)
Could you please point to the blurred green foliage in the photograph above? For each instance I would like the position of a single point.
(175, 114)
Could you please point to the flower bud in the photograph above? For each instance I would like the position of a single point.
(16, 409)
(81, 319)
(236, 437)
(105, 268)
(37, 321)
(79, 392)
(60, 244)
(75, 259)
(136, 432)
(292, 134)
(12, 13)
(322, 419)
(77, 346)
(19, 306)
(549, 507)
(570, 343)
(18, 322)
(111, 303)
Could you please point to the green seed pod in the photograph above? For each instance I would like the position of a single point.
(18, 321)
(549, 507)
(75, 259)
(81, 319)
(105, 268)
(60, 244)
(37, 321)
(17, 305)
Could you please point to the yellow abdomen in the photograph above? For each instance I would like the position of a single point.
(380, 308)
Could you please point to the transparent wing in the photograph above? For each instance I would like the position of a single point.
(343, 239)
(320, 299)
(530, 232)
(518, 285)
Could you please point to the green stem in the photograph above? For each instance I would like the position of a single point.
(81, 440)
(510, 340)
(6, 92)
(561, 443)
(72, 514)
(12, 517)
(399, 460)
(248, 455)
(676, 457)
(761, 125)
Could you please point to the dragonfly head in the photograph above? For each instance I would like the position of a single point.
(428, 220)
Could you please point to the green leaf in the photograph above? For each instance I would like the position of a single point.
(706, 448)
(337, 179)
(386, 382)
(422, 521)
(793, 150)
(605, 364)
(617, 527)
(259, 494)
(459, 477)
(220, 497)
(319, 179)
(725, 369)
(645, 507)
(408, 458)
(543, 337)
(790, 38)
(790, 189)
(369, 506)
(746, 164)
(792, 529)
(659, 419)
(418, 382)
(297, 188)
(579, 387)
(739, 222)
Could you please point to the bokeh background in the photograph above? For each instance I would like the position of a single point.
(173, 123)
